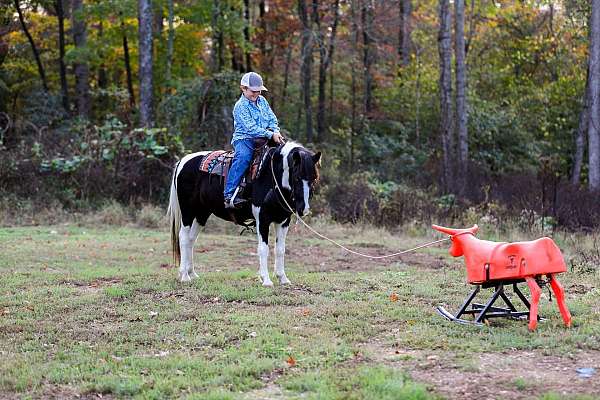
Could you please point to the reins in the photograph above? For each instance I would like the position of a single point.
(341, 245)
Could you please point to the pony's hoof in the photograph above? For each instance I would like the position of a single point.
(194, 275)
(267, 283)
(284, 280)
(185, 278)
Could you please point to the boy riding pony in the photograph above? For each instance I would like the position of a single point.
(252, 119)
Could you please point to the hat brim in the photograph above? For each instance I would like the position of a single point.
(257, 88)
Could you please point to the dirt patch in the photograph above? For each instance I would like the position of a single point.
(511, 375)
(94, 286)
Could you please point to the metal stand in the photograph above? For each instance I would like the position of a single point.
(481, 312)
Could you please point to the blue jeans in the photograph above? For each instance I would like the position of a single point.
(244, 148)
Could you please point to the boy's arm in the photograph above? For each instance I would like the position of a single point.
(244, 119)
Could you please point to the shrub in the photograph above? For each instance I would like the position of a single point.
(150, 216)
(113, 213)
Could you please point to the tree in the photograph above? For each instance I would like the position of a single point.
(594, 84)
(446, 115)
(36, 53)
(368, 53)
(170, 39)
(325, 57)
(146, 62)
(127, 60)
(218, 41)
(404, 32)
(306, 66)
(580, 135)
(81, 69)
(461, 97)
(60, 16)
(247, 35)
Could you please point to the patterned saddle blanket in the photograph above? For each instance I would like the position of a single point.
(218, 163)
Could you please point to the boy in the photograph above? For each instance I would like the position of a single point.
(252, 118)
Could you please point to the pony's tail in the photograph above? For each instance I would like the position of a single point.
(174, 215)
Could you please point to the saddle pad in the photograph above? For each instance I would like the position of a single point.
(217, 162)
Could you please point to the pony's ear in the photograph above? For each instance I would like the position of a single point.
(316, 158)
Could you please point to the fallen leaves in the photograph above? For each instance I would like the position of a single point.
(393, 297)
(291, 361)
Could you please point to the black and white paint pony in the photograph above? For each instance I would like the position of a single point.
(195, 195)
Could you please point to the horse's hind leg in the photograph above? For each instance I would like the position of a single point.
(187, 237)
(281, 233)
(198, 222)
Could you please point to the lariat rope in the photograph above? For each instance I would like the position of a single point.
(338, 244)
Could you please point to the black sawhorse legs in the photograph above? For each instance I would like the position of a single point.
(481, 312)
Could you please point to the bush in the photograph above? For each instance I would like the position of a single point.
(150, 216)
(113, 213)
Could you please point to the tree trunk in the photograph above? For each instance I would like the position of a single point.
(145, 50)
(216, 62)
(306, 66)
(404, 32)
(102, 76)
(128, 66)
(354, 34)
(81, 69)
(461, 97)
(446, 117)
(368, 53)
(247, 34)
(34, 49)
(286, 73)
(170, 40)
(594, 83)
(60, 15)
(580, 135)
(326, 54)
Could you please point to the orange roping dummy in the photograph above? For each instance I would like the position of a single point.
(489, 262)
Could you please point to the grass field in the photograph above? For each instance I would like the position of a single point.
(89, 312)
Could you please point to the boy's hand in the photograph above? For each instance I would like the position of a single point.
(277, 138)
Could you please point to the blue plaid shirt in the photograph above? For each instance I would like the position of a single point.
(252, 120)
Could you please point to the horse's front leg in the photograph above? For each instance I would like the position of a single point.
(262, 231)
(281, 231)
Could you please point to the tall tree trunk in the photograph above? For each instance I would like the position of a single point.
(368, 53)
(34, 49)
(127, 65)
(306, 66)
(461, 96)
(594, 83)
(353, 88)
(326, 54)
(64, 88)
(404, 32)
(446, 117)
(170, 40)
(146, 62)
(580, 134)
(102, 76)
(247, 34)
(216, 55)
(286, 71)
(82, 72)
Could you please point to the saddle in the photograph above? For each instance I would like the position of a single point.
(218, 162)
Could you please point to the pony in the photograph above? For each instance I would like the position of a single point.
(286, 176)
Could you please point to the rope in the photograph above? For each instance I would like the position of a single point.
(338, 244)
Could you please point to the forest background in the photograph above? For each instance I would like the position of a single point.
(463, 111)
